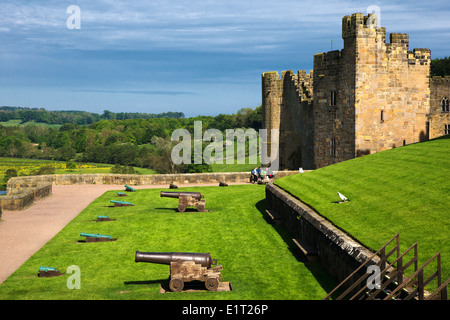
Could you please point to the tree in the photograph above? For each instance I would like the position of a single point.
(255, 119)
(108, 115)
(162, 160)
(44, 170)
(242, 116)
(440, 67)
(123, 169)
(71, 165)
(9, 174)
(80, 141)
(66, 153)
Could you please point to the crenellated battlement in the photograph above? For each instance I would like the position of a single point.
(273, 83)
(359, 25)
(441, 80)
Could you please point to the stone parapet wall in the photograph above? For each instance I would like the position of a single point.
(152, 179)
(20, 201)
(338, 253)
(22, 191)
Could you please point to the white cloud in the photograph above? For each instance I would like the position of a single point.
(239, 26)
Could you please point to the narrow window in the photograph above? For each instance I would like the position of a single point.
(445, 104)
(333, 147)
(333, 97)
(382, 116)
(447, 128)
(404, 142)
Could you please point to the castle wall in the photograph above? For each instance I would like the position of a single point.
(334, 119)
(296, 128)
(439, 117)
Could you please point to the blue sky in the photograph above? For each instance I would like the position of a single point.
(197, 57)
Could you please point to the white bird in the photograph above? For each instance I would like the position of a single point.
(343, 198)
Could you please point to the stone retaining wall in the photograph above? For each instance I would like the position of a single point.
(339, 254)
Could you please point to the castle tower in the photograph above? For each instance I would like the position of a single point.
(271, 105)
(287, 107)
(392, 93)
(368, 97)
(371, 95)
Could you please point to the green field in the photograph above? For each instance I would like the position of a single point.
(25, 167)
(15, 123)
(404, 190)
(256, 257)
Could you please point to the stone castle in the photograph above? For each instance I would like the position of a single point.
(368, 97)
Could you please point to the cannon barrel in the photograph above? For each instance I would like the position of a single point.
(203, 259)
(168, 194)
(92, 235)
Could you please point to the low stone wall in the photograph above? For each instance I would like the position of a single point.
(20, 201)
(22, 191)
(16, 184)
(339, 254)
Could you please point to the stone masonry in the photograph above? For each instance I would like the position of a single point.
(368, 97)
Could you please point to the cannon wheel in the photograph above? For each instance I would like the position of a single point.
(201, 206)
(181, 208)
(176, 284)
(212, 283)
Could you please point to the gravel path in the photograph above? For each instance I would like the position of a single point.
(22, 233)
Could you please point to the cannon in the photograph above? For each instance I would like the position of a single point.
(104, 218)
(121, 203)
(91, 237)
(185, 267)
(187, 199)
(47, 272)
(128, 188)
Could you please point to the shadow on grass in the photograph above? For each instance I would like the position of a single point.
(189, 209)
(164, 285)
(147, 282)
(319, 273)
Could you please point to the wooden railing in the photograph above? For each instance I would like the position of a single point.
(417, 283)
(392, 282)
(383, 255)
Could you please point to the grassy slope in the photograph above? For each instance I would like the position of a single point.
(256, 259)
(404, 190)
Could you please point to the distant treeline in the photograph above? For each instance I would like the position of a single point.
(135, 142)
(76, 117)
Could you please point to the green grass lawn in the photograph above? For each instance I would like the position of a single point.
(404, 190)
(256, 256)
